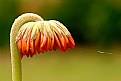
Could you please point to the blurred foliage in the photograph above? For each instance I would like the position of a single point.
(7, 14)
(89, 21)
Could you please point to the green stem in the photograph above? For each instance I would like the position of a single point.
(15, 56)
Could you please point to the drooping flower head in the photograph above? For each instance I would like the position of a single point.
(41, 36)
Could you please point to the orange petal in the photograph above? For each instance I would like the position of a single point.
(24, 45)
(19, 44)
(45, 46)
(52, 44)
(27, 47)
(62, 50)
(49, 43)
(37, 40)
(42, 50)
(21, 54)
(39, 45)
(61, 38)
(30, 53)
(66, 42)
(38, 50)
(57, 41)
(32, 49)
(43, 42)
(71, 41)
(66, 39)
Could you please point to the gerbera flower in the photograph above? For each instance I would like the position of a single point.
(41, 36)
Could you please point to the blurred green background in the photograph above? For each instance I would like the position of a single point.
(95, 26)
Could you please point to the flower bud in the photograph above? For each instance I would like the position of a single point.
(41, 36)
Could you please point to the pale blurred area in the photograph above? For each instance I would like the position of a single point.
(95, 27)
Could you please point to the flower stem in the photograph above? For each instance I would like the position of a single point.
(15, 56)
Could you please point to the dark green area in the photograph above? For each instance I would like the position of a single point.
(89, 21)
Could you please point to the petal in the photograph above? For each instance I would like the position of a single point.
(52, 43)
(42, 50)
(19, 44)
(45, 46)
(34, 31)
(24, 45)
(71, 41)
(43, 41)
(60, 26)
(54, 46)
(38, 50)
(21, 55)
(66, 41)
(62, 50)
(57, 41)
(37, 41)
(49, 43)
(28, 46)
(30, 53)
(32, 49)
(61, 38)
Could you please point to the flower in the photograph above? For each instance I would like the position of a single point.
(41, 36)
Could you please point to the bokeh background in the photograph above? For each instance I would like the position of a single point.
(95, 26)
